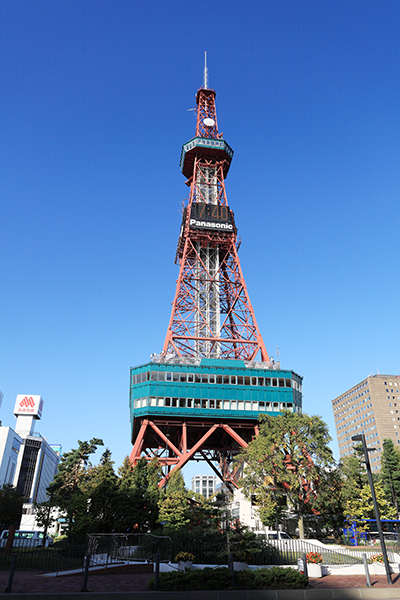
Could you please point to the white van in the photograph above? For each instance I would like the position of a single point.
(277, 535)
(26, 539)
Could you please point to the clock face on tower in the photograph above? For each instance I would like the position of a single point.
(212, 216)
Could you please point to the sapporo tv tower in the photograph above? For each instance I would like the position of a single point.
(201, 396)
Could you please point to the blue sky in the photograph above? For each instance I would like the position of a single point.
(94, 100)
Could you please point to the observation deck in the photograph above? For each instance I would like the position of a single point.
(210, 149)
(212, 389)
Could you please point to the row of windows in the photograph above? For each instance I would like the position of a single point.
(203, 403)
(214, 379)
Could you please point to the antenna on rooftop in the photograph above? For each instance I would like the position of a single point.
(205, 82)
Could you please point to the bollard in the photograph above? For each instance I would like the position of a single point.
(157, 571)
(366, 569)
(11, 576)
(232, 570)
(305, 564)
(86, 573)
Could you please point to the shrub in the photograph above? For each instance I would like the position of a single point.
(184, 557)
(314, 557)
(276, 578)
(376, 558)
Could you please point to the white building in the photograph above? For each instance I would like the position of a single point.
(204, 485)
(27, 460)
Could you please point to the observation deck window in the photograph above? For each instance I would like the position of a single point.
(212, 403)
(219, 379)
(240, 380)
(154, 376)
(211, 378)
(174, 402)
(268, 382)
(153, 401)
(197, 378)
(261, 406)
(190, 377)
(240, 405)
(283, 406)
(268, 405)
(247, 381)
(175, 376)
(189, 402)
(197, 403)
(226, 404)
(233, 379)
(183, 377)
(167, 401)
(288, 383)
(247, 406)
(160, 401)
(204, 378)
(255, 406)
(261, 381)
(274, 382)
(160, 375)
(254, 381)
(226, 379)
(182, 402)
(275, 406)
(204, 403)
(233, 405)
(168, 376)
(218, 404)
(281, 383)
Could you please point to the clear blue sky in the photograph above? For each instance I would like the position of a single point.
(94, 100)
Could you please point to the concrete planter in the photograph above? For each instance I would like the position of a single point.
(378, 569)
(240, 566)
(314, 570)
(185, 564)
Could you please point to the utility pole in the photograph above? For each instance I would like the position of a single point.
(361, 438)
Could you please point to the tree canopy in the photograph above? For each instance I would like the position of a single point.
(289, 457)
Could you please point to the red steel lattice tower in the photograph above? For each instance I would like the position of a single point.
(212, 316)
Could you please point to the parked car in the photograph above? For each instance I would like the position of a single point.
(26, 539)
(277, 535)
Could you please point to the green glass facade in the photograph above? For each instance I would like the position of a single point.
(227, 389)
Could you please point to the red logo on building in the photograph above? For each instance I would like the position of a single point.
(28, 402)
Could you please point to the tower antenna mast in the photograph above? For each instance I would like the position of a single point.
(205, 82)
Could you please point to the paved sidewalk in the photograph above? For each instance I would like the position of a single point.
(125, 579)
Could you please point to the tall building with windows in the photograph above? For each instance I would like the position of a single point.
(371, 407)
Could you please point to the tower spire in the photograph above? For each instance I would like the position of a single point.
(205, 77)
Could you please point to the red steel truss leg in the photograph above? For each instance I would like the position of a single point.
(185, 458)
(136, 450)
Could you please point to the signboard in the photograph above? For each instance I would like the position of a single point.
(211, 216)
(28, 405)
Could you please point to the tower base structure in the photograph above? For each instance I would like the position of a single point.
(185, 409)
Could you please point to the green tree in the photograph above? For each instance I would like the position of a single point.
(290, 456)
(46, 515)
(138, 495)
(102, 489)
(390, 474)
(10, 506)
(362, 507)
(354, 476)
(69, 490)
(174, 506)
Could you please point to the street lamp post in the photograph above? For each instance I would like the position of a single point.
(361, 438)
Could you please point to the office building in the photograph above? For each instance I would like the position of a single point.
(371, 407)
